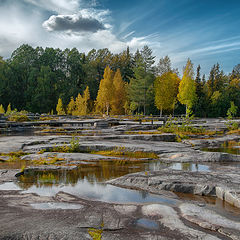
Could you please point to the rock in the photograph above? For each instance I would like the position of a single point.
(208, 219)
(222, 183)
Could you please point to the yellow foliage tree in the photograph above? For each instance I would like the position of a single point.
(105, 92)
(86, 97)
(59, 108)
(166, 90)
(9, 109)
(119, 94)
(2, 111)
(71, 106)
(79, 105)
(187, 88)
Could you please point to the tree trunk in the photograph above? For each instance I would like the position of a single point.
(161, 112)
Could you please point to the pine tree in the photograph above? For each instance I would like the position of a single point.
(2, 111)
(71, 106)
(9, 110)
(59, 108)
(166, 90)
(105, 92)
(187, 88)
(119, 94)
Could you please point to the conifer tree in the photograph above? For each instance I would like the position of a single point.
(2, 111)
(119, 95)
(187, 88)
(71, 106)
(86, 97)
(59, 108)
(79, 105)
(9, 109)
(105, 92)
(166, 90)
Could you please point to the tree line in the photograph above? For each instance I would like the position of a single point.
(38, 80)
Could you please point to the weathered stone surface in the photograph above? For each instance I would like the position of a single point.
(8, 175)
(169, 218)
(18, 220)
(223, 184)
(210, 220)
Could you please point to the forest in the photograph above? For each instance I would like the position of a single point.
(67, 81)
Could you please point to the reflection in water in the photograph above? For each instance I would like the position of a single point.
(87, 181)
(98, 171)
(218, 205)
(192, 167)
(231, 147)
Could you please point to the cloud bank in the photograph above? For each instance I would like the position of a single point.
(75, 23)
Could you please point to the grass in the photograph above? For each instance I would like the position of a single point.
(185, 130)
(14, 156)
(18, 117)
(121, 152)
(96, 233)
(72, 148)
(47, 161)
(141, 132)
(47, 130)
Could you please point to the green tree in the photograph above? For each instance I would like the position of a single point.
(187, 88)
(232, 111)
(166, 90)
(59, 108)
(142, 82)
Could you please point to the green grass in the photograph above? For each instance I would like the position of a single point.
(122, 152)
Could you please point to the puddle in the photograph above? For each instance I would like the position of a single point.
(147, 223)
(14, 164)
(9, 186)
(54, 205)
(83, 184)
(231, 147)
(216, 204)
(192, 167)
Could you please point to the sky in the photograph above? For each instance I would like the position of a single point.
(205, 31)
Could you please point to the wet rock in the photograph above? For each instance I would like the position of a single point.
(170, 219)
(223, 184)
(208, 219)
(7, 175)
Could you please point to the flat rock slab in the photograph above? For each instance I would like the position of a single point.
(223, 183)
(23, 216)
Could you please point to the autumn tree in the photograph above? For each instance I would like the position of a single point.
(105, 92)
(2, 111)
(9, 109)
(187, 88)
(119, 94)
(166, 90)
(71, 106)
(79, 105)
(59, 108)
(86, 97)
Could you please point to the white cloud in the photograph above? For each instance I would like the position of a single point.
(59, 6)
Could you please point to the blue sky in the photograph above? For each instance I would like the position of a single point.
(205, 31)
